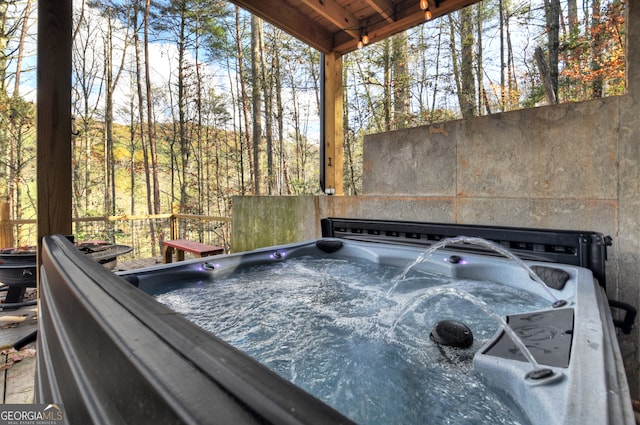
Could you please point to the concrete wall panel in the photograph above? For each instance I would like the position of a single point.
(390, 208)
(568, 214)
(260, 221)
(564, 151)
(395, 165)
(628, 236)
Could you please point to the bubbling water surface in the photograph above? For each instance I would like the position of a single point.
(329, 326)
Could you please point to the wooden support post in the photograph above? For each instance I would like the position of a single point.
(6, 232)
(334, 136)
(54, 118)
(173, 221)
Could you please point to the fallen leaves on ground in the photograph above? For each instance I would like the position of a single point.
(9, 325)
(12, 356)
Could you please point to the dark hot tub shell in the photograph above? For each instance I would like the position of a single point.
(111, 354)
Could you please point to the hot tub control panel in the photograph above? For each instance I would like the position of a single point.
(546, 334)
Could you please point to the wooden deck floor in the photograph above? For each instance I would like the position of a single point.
(138, 263)
(18, 367)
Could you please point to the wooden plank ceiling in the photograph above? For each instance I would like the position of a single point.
(337, 25)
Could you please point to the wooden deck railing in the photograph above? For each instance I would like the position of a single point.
(133, 230)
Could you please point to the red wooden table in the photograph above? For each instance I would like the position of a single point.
(182, 245)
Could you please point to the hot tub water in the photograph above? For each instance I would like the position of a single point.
(325, 324)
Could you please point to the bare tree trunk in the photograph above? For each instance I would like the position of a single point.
(364, 76)
(132, 143)
(89, 71)
(111, 85)
(441, 25)
(15, 159)
(574, 30)
(467, 83)
(503, 65)
(401, 93)
(547, 83)
(15, 175)
(299, 170)
(20, 128)
(552, 13)
(422, 75)
(141, 122)
(244, 103)
(454, 60)
(201, 156)
(256, 35)
(183, 140)
(223, 148)
(151, 132)
(109, 181)
(479, 67)
(596, 50)
(512, 81)
(4, 42)
(351, 187)
(283, 180)
(386, 85)
(23, 36)
(267, 87)
(4, 139)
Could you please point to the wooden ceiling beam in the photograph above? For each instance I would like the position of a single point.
(407, 18)
(291, 20)
(339, 29)
(337, 15)
(408, 15)
(384, 8)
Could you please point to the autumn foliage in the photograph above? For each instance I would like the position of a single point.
(594, 60)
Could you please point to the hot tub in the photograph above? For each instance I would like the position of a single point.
(110, 351)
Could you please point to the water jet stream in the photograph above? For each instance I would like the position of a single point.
(474, 241)
(432, 292)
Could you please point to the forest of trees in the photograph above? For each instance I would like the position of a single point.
(194, 101)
